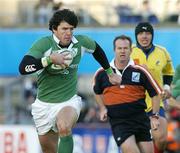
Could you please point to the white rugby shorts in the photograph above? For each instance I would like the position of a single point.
(44, 114)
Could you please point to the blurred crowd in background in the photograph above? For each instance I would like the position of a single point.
(99, 12)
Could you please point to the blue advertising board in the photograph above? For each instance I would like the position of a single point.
(14, 43)
(94, 138)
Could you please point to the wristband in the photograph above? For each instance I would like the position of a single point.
(166, 87)
(109, 71)
(155, 115)
(46, 61)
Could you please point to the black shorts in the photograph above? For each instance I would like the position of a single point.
(137, 125)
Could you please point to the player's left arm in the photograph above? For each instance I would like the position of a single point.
(167, 80)
(101, 57)
(155, 112)
(168, 72)
(155, 92)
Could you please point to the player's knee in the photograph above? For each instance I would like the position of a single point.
(64, 130)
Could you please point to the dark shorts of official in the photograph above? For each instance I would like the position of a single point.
(137, 125)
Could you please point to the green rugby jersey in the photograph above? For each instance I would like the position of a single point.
(57, 85)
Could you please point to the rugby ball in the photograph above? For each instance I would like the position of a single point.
(67, 62)
(54, 69)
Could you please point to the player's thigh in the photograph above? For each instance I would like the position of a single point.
(161, 133)
(146, 147)
(66, 117)
(130, 145)
(49, 142)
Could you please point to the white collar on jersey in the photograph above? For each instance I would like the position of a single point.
(131, 62)
(74, 40)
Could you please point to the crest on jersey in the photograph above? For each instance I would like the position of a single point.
(158, 63)
(72, 50)
(135, 77)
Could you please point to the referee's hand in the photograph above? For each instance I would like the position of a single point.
(154, 123)
(115, 79)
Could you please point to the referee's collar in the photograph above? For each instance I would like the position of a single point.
(74, 40)
(112, 64)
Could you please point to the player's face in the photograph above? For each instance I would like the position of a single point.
(144, 39)
(64, 33)
(122, 50)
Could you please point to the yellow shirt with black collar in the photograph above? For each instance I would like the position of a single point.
(158, 63)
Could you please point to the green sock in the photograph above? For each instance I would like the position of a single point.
(65, 144)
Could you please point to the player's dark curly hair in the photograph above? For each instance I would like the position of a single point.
(63, 15)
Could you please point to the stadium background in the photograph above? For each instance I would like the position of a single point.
(21, 24)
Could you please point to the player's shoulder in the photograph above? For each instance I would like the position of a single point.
(45, 40)
(136, 66)
(161, 48)
(82, 37)
(140, 68)
(99, 72)
(135, 49)
(134, 46)
(86, 42)
(43, 43)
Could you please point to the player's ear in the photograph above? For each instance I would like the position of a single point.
(54, 28)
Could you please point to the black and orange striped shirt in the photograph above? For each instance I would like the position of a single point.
(128, 98)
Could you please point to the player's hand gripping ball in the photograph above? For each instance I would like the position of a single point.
(69, 58)
(54, 69)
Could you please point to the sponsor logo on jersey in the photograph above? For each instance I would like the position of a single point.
(158, 63)
(74, 51)
(135, 77)
(30, 68)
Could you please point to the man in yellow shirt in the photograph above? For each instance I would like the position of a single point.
(158, 61)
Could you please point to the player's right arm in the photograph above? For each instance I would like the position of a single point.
(30, 64)
(155, 93)
(168, 72)
(36, 60)
(155, 112)
(102, 108)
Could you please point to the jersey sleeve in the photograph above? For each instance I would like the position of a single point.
(97, 82)
(152, 87)
(168, 69)
(87, 44)
(38, 49)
